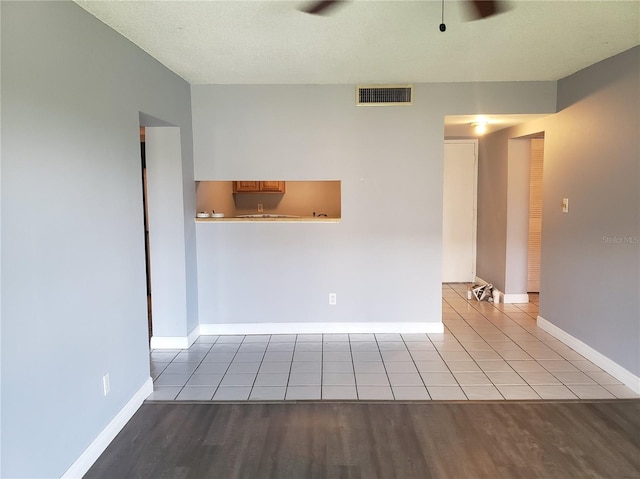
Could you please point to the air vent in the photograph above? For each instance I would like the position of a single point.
(384, 95)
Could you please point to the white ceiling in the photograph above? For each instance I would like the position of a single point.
(272, 42)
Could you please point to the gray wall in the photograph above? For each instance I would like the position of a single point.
(590, 256)
(384, 258)
(73, 284)
(589, 286)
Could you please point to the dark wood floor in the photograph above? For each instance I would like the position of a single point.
(374, 440)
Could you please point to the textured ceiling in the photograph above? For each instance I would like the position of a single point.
(265, 42)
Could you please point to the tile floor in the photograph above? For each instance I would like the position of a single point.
(486, 352)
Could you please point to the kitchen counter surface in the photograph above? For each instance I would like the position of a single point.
(301, 219)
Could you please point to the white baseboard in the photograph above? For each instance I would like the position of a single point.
(326, 328)
(620, 373)
(80, 467)
(509, 298)
(175, 342)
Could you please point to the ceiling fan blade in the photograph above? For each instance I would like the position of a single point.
(485, 8)
(320, 7)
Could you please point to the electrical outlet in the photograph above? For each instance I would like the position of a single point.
(332, 299)
(106, 384)
(260, 208)
(565, 205)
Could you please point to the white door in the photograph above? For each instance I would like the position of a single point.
(459, 212)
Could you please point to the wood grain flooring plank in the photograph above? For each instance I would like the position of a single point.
(325, 440)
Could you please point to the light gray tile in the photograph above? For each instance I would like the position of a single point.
(401, 367)
(415, 337)
(359, 356)
(410, 393)
(164, 356)
(545, 354)
(257, 338)
(405, 379)
(364, 346)
(307, 356)
(337, 367)
(602, 378)
(157, 367)
(306, 367)
(241, 367)
(382, 337)
(309, 337)
(484, 355)
(482, 393)
(526, 367)
(275, 367)
(371, 367)
(472, 379)
(252, 348)
(281, 347)
(590, 391)
(558, 366)
(164, 393)
(585, 366)
(621, 391)
(309, 346)
(248, 357)
(336, 356)
(304, 379)
(420, 346)
(238, 379)
(391, 356)
(209, 339)
(573, 377)
(218, 358)
(374, 393)
(463, 366)
(225, 348)
(231, 339)
(212, 368)
(432, 366)
(505, 378)
(189, 357)
(439, 379)
(204, 379)
(495, 366)
(343, 347)
(271, 380)
(303, 392)
(539, 378)
(278, 356)
(366, 379)
(518, 392)
(168, 379)
(425, 356)
(200, 347)
(339, 392)
(357, 337)
(391, 346)
(338, 379)
(554, 392)
(282, 338)
(268, 393)
(196, 393)
(232, 393)
(455, 356)
(477, 346)
(327, 338)
(515, 355)
(446, 393)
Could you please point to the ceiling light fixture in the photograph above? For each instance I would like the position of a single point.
(480, 127)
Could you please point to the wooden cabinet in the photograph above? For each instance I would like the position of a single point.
(258, 186)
